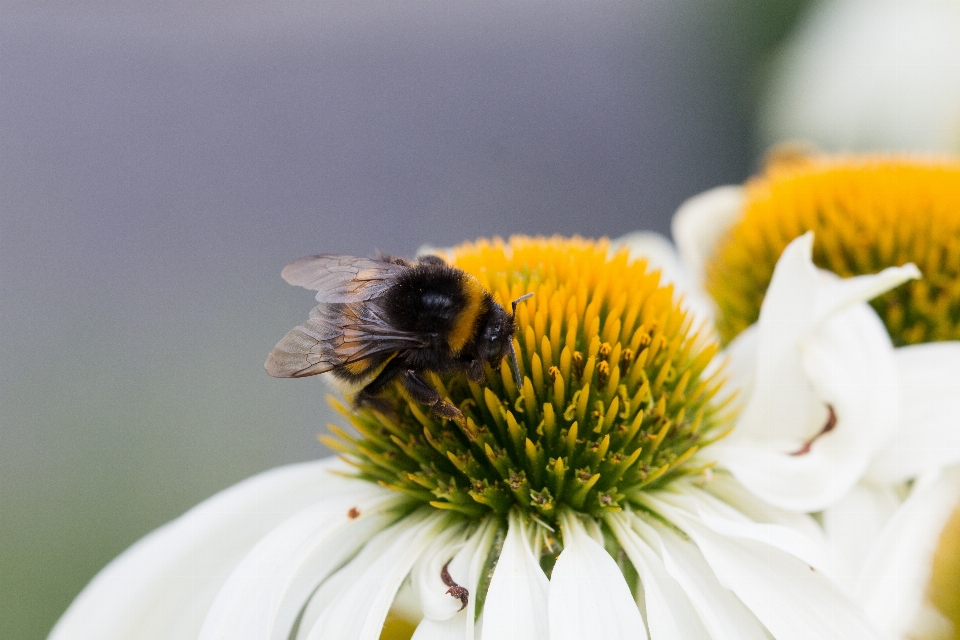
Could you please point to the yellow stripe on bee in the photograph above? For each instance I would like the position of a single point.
(358, 367)
(464, 325)
(364, 372)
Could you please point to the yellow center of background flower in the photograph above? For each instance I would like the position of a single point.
(614, 398)
(867, 214)
(944, 587)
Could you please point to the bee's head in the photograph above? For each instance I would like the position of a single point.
(496, 337)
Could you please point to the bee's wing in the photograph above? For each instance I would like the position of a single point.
(336, 335)
(338, 278)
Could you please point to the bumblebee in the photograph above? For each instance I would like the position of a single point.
(391, 318)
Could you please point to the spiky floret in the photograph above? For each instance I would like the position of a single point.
(614, 398)
(867, 214)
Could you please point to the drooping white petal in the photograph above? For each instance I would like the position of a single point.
(669, 613)
(163, 586)
(589, 597)
(928, 434)
(780, 402)
(476, 553)
(792, 600)
(728, 490)
(428, 586)
(266, 592)
(853, 524)
(725, 617)
(701, 222)
(818, 346)
(516, 604)
(805, 543)
(359, 609)
(340, 581)
(842, 293)
(894, 578)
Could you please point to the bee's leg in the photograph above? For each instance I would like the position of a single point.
(475, 372)
(421, 391)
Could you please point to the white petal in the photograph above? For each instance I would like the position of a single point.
(806, 363)
(728, 490)
(163, 586)
(853, 525)
(589, 597)
(669, 612)
(893, 581)
(516, 604)
(793, 601)
(805, 543)
(928, 435)
(720, 610)
(480, 545)
(358, 611)
(340, 581)
(466, 557)
(842, 293)
(268, 589)
(781, 396)
(701, 222)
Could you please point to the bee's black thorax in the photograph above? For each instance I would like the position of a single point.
(426, 299)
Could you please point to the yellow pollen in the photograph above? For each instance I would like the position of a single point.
(867, 214)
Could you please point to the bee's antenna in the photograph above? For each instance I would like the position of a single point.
(513, 353)
(519, 300)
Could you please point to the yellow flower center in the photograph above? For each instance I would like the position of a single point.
(614, 398)
(867, 214)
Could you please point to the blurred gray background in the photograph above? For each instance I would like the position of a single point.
(161, 162)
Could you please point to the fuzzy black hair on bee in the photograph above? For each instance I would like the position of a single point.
(390, 318)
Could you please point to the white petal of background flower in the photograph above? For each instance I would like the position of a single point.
(669, 612)
(928, 434)
(589, 597)
(359, 611)
(516, 604)
(266, 592)
(892, 585)
(793, 601)
(162, 587)
(817, 344)
(699, 224)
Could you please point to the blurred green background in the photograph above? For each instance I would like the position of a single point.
(161, 162)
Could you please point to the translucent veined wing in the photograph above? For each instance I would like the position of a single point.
(336, 335)
(341, 279)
